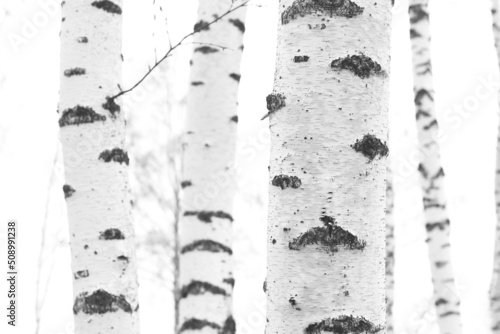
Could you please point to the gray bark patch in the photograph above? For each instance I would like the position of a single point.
(285, 181)
(116, 155)
(301, 8)
(201, 25)
(300, 59)
(344, 324)
(206, 49)
(185, 184)
(206, 245)
(82, 39)
(111, 106)
(330, 235)
(100, 302)
(197, 83)
(360, 65)
(81, 274)
(107, 6)
(235, 76)
(371, 147)
(112, 234)
(74, 71)
(238, 24)
(206, 216)
(200, 288)
(68, 191)
(79, 115)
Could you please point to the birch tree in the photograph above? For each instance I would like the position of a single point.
(96, 162)
(206, 271)
(495, 283)
(437, 221)
(328, 120)
(390, 248)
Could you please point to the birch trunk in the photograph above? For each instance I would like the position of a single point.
(96, 189)
(495, 282)
(328, 120)
(390, 247)
(437, 221)
(206, 271)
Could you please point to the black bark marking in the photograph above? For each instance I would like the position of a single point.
(206, 216)
(424, 68)
(123, 258)
(301, 8)
(360, 65)
(370, 146)
(446, 314)
(82, 39)
(330, 235)
(111, 106)
(112, 234)
(81, 274)
(285, 181)
(100, 302)
(414, 34)
(68, 191)
(442, 225)
(440, 264)
(206, 246)
(229, 326)
(229, 281)
(197, 83)
(420, 94)
(300, 59)
(418, 13)
(292, 301)
(185, 184)
(274, 103)
(431, 124)
(344, 324)
(423, 171)
(238, 24)
(74, 71)
(234, 119)
(198, 288)
(264, 286)
(116, 155)
(201, 25)
(206, 49)
(79, 115)
(107, 6)
(422, 113)
(197, 324)
(235, 76)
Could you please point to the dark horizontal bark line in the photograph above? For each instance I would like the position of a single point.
(197, 83)
(301, 8)
(206, 216)
(195, 288)
(115, 155)
(235, 76)
(100, 302)
(441, 225)
(206, 245)
(300, 59)
(112, 234)
(81, 274)
(74, 71)
(418, 12)
(107, 6)
(193, 324)
(186, 183)
(79, 115)
(206, 49)
(346, 324)
(285, 181)
(274, 102)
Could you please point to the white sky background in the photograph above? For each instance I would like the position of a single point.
(463, 58)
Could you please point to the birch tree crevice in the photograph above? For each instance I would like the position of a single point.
(328, 120)
(92, 132)
(495, 282)
(437, 222)
(206, 272)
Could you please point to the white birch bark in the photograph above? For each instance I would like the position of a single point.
(328, 121)
(206, 271)
(390, 248)
(96, 162)
(437, 221)
(495, 282)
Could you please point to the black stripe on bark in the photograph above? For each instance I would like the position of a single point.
(206, 49)
(206, 216)
(441, 301)
(439, 225)
(414, 33)
(68, 191)
(198, 288)
(371, 147)
(206, 246)
(107, 6)
(229, 281)
(197, 83)
(330, 235)
(301, 8)
(425, 68)
(235, 76)
(446, 314)
(197, 324)
(418, 13)
(285, 181)
(185, 184)
(422, 113)
(238, 24)
(420, 94)
(100, 302)
(201, 25)
(79, 115)
(431, 124)
(81, 274)
(111, 106)
(229, 326)
(234, 119)
(360, 65)
(423, 171)
(116, 155)
(74, 71)
(112, 234)
(344, 324)
(300, 59)
(82, 39)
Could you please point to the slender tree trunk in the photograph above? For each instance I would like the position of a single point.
(495, 282)
(437, 221)
(206, 270)
(96, 162)
(328, 121)
(390, 247)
